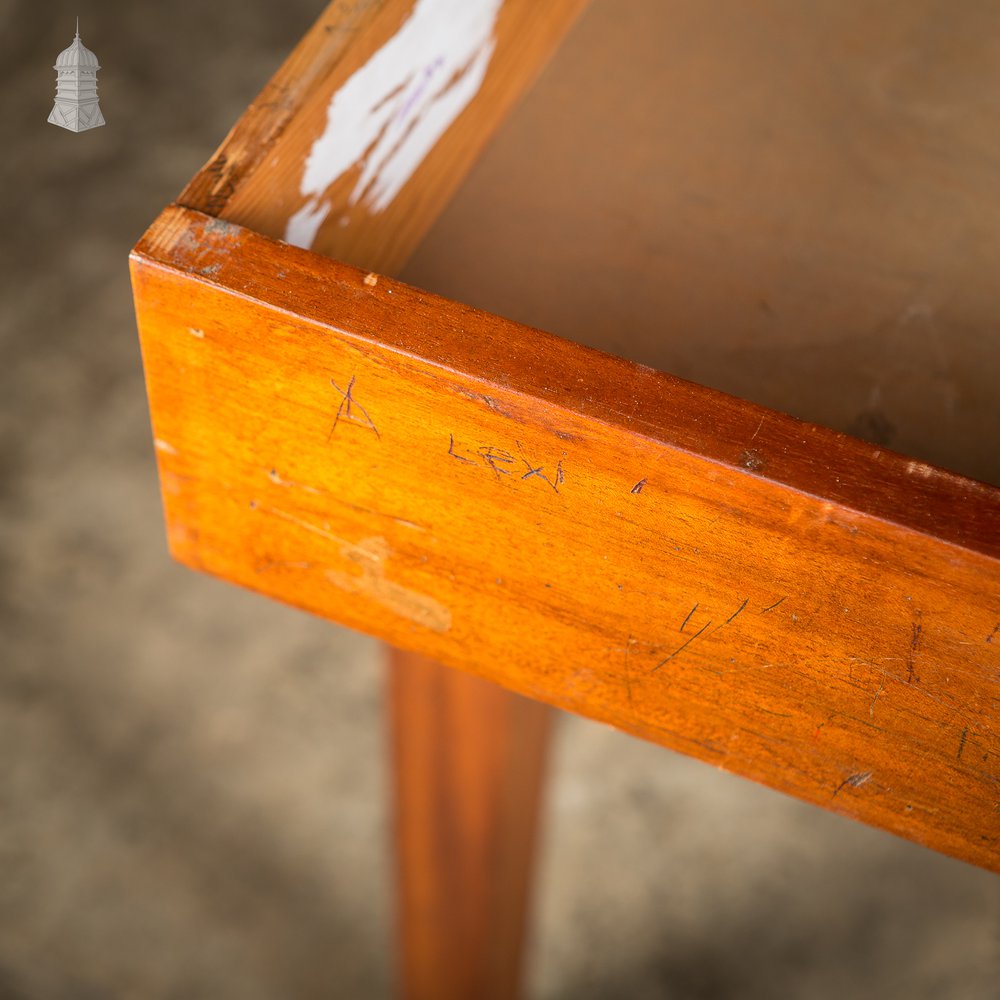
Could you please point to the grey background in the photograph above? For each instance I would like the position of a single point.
(192, 782)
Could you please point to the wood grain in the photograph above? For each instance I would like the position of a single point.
(255, 178)
(468, 761)
(788, 603)
(800, 211)
(462, 910)
(244, 149)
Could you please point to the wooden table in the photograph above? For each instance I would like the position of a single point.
(797, 207)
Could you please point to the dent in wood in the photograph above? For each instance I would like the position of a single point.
(393, 110)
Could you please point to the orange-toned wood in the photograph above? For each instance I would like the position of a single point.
(257, 176)
(784, 601)
(468, 759)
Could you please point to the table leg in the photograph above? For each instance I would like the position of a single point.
(468, 758)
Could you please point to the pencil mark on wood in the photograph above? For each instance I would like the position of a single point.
(853, 781)
(737, 612)
(681, 648)
(638, 486)
(961, 743)
(916, 628)
(771, 607)
(350, 408)
(686, 620)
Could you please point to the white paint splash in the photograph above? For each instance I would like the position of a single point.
(391, 112)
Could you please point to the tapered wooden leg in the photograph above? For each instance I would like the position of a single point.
(468, 759)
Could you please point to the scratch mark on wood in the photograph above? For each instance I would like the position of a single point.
(532, 471)
(480, 398)
(492, 455)
(881, 688)
(454, 454)
(737, 611)
(771, 607)
(853, 781)
(346, 410)
(767, 711)
(681, 648)
(686, 620)
(917, 628)
(305, 525)
(279, 481)
(961, 743)
(638, 486)
(497, 459)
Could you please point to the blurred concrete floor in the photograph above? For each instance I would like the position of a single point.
(192, 786)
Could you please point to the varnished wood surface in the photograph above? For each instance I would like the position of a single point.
(468, 753)
(468, 762)
(791, 604)
(256, 176)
